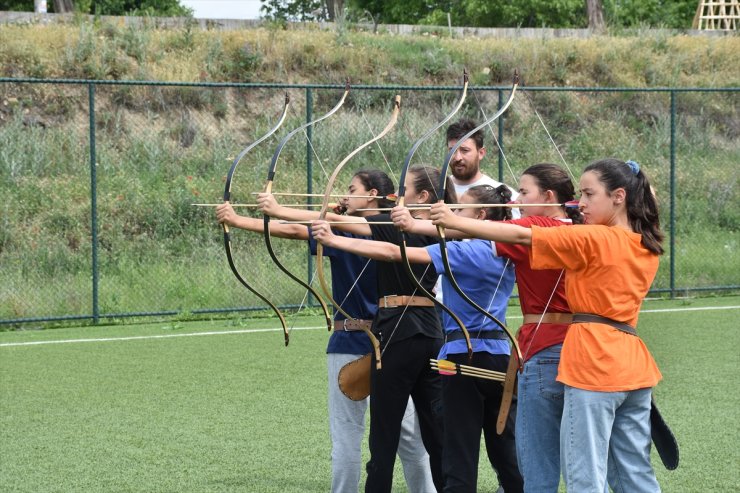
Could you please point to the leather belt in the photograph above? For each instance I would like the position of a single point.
(482, 334)
(548, 318)
(395, 300)
(591, 318)
(352, 324)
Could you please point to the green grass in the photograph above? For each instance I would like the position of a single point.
(237, 411)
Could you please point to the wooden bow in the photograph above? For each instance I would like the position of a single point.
(322, 216)
(268, 189)
(441, 230)
(227, 238)
(401, 200)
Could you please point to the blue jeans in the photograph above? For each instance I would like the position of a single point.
(538, 415)
(607, 435)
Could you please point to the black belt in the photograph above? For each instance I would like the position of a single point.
(483, 334)
(590, 317)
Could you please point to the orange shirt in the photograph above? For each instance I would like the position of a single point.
(608, 273)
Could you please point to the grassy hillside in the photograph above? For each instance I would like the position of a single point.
(160, 148)
(107, 50)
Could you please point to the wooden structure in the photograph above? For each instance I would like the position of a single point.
(721, 15)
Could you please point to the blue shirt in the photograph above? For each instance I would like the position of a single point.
(362, 300)
(486, 279)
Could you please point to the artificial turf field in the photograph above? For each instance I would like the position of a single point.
(215, 406)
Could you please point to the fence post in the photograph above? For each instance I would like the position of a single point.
(93, 203)
(501, 139)
(672, 238)
(309, 182)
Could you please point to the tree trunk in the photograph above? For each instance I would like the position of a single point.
(595, 12)
(334, 8)
(63, 6)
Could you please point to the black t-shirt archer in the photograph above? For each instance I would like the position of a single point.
(396, 324)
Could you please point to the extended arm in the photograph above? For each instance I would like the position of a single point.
(225, 214)
(376, 250)
(270, 206)
(403, 220)
(487, 230)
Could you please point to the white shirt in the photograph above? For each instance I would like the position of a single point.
(487, 180)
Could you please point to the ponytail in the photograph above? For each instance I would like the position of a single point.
(642, 206)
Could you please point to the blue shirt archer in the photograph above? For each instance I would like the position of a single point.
(486, 279)
(353, 282)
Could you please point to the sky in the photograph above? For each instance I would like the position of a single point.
(224, 9)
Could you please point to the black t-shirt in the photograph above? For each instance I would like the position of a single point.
(396, 324)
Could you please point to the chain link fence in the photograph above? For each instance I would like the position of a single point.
(98, 178)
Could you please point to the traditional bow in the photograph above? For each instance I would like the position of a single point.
(227, 197)
(322, 215)
(268, 189)
(517, 364)
(401, 200)
(441, 230)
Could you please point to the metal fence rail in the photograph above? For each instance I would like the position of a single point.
(97, 178)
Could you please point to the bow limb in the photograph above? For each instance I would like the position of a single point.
(268, 189)
(515, 359)
(441, 231)
(401, 201)
(322, 215)
(227, 237)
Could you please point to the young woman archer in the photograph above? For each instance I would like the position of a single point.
(543, 189)
(607, 371)
(409, 331)
(353, 285)
(470, 405)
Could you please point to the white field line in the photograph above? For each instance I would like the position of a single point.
(252, 331)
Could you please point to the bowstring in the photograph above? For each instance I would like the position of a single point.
(549, 135)
(570, 172)
(493, 134)
(539, 322)
(304, 300)
(413, 293)
(572, 176)
(380, 148)
(388, 164)
(400, 318)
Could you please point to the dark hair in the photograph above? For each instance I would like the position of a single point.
(486, 194)
(460, 128)
(378, 180)
(642, 206)
(427, 178)
(553, 177)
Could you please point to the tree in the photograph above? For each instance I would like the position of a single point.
(595, 14)
(293, 10)
(164, 8)
(168, 8)
(63, 6)
(676, 14)
(334, 8)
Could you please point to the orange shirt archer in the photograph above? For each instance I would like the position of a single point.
(608, 273)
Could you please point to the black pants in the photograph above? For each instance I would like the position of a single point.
(470, 405)
(405, 372)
